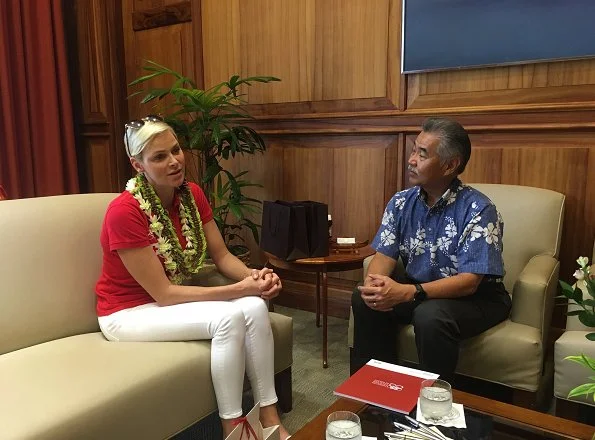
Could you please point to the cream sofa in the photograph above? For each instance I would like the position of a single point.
(512, 352)
(573, 342)
(59, 377)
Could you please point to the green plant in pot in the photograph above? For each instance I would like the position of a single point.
(209, 126)
(584, 309)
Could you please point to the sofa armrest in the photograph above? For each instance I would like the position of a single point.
(534, 291)
(366, 264)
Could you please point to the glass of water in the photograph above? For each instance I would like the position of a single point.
(343, 425)
(435, 399)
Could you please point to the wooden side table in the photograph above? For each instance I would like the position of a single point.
(335, 262)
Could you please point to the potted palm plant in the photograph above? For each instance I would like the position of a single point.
(209, 126)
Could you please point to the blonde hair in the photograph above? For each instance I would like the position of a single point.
(135, 140)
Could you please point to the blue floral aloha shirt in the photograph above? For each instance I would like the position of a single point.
(461, 233)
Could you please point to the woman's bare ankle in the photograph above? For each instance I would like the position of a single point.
(228, 426)
(270, 417)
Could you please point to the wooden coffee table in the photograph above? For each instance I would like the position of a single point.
(503, 421)
(334, 262)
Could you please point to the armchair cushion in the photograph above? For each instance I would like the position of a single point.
(532, 224)
(487, 356)
(568, 374)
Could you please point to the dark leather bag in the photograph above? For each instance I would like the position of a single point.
(284, 230)
(293, 230)
(317, 227)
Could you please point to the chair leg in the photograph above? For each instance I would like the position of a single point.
(284, 390)
(525, 399)
(576, 411)
(566, 409)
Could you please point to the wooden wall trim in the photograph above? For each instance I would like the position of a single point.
(331, 107)
(408, 122)
(166, 15)
(346, 109)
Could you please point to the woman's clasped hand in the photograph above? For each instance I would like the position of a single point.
(267, 283)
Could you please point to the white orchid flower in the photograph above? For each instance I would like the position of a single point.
(163, 248)
(161, 241)
(131, 185)
(582, 261)
(156, 227)
(579, 275)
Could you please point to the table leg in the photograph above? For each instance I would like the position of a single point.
(324, 318)
(317, 299)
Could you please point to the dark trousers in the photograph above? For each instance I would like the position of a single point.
(440, 325)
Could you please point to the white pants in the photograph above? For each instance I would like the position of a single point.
(242, 340)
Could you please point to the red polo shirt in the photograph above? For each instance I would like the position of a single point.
(126, 226)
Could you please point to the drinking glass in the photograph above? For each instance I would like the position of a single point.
(435, 399)
(343, 425)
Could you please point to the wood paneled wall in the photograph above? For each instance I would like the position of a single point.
(340, 123)
(94, 39)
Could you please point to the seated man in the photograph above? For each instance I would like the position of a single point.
(449, 238)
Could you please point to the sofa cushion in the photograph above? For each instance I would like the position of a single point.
(86, 387)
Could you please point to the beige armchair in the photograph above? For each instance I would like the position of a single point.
(512, 353)
(568, 374)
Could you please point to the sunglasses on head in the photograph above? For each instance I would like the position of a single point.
(137, 124)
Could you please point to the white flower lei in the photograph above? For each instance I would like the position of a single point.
(192, 261)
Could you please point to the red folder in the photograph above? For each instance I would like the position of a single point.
(389, 386)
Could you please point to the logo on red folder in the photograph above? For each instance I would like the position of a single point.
(389, 385)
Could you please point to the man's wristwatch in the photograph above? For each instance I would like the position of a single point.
(420, 294)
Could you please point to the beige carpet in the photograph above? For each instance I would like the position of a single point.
(313, 385)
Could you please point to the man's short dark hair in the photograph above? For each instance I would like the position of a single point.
(454, 140)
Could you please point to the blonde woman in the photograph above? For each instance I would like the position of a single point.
(155, 235)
